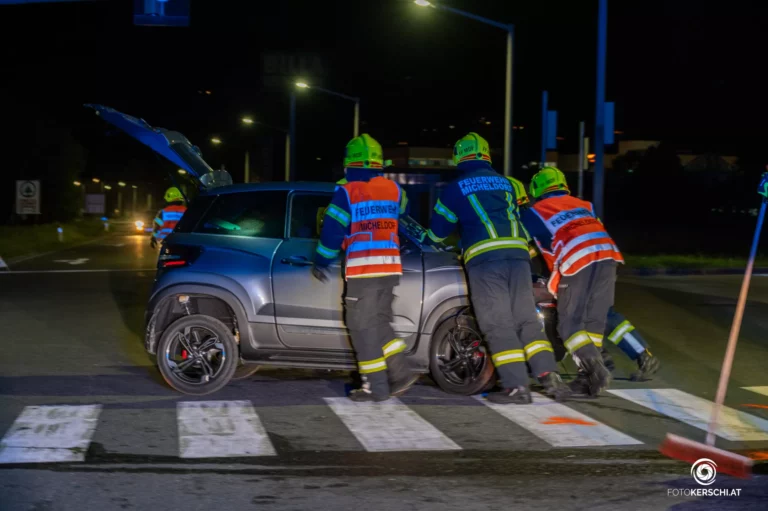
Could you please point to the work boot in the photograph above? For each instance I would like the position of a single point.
(608, 360)
(364, 394)
(579, 386)
(516, 396)
(597, 374)
(648, 365)
(554, 386)
(402, 384)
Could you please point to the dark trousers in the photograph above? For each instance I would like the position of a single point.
(368, 307)
(583, 301)
(502, 298)
(622, 333)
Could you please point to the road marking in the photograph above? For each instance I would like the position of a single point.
(72, 271)
(48, 434)
(221, 429)
(17, 260)
(114, 244)
(389, 426)
(695, 411)
(568, 429)
(760, 390)
(72, 261)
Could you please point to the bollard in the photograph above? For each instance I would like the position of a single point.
(61, 233)
(106, 223)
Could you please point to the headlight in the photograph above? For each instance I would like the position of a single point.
(139, 225)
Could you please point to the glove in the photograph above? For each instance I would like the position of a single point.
(153, 243)
(763, 188)
(319, 273)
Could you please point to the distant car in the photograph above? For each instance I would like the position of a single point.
(233, 289)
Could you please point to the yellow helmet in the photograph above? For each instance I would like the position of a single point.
(520, 193)
(471, 147)
(364, 152)
(173, 194)
(548, 179)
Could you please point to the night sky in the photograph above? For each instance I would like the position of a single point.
(686, 72)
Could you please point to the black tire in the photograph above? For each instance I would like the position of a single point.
(465, 328)
(223, 356)
(244, 371)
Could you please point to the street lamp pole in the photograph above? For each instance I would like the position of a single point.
(290, 170)
(510, 29)
(599, 176)
(357, 118)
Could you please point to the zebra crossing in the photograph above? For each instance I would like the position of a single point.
(225, 429)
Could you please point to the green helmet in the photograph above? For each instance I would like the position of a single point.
(519, 188)
(471, 147)
(364, 152)
(548, 179)
(173, 194)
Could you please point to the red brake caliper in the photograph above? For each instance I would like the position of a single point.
(184, 354)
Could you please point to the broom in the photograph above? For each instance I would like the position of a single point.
(680, 448)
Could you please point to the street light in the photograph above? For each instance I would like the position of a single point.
(77, 183)
(356, 127)
(182, 171)
(120, 183)
(96, 180)
(107, 187)
(510, 29)
(216, 141)
(247, 120)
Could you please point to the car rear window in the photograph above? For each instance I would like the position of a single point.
(248, 214)
(197, 207)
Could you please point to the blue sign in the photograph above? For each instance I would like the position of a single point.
(608, 134)
(161, 13)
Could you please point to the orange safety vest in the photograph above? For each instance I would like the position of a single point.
(373, 245)
(578, 238)
(168, 218)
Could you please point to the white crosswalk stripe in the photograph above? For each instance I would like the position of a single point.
(760, 390)
(45, 434)
(219, 429)
(559, 425)
(389, 426)
(695, 411)
(225, 429)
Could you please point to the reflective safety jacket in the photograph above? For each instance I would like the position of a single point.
(568, 235)
(482, 203)
(167, 218)
(363, 220)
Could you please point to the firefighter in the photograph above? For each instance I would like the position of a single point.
(363, 219)
(169, 216)
(583, 260)
(618, 329)
(482, 204)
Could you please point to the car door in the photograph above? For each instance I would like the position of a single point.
(309, 313)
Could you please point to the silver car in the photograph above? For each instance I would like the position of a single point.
(233, 290)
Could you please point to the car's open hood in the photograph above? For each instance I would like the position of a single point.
(171, 145)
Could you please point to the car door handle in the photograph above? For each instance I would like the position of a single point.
(296, 260)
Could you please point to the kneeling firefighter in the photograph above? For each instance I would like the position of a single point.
(618, 329)
(167, 218)
(482, 204)
(582, 259)
(363, 219)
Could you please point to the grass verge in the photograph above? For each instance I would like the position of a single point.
(26, 240)
(690, 261)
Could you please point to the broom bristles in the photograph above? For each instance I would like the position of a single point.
(683, 449)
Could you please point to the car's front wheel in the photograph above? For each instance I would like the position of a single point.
(197, 355)
(460, 362)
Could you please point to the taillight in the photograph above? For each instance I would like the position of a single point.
(176, 256)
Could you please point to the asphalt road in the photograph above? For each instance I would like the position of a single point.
(71, 339)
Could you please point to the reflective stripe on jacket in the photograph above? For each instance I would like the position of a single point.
(569, 236)
(373, 246)
(166, 220)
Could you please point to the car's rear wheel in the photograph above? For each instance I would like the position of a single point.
(197, 355)
(460, 362)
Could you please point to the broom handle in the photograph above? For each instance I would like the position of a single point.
(725, 372)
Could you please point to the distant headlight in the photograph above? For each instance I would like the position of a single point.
(139, 225)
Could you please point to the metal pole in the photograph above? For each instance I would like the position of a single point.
(120, 202)
(599, 184)
(247, 167)
(357, 118)
(287, 156)
(149, 201)
(134, 200)
(292, 167)
(508, 105)
(581, 160)
(544, 99)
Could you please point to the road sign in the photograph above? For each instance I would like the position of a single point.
(94, 203)
(27, 197)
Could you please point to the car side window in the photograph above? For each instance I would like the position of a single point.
(197, 207)
(259, 214)
(307, 210)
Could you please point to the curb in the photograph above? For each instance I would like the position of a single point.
(648, 272)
